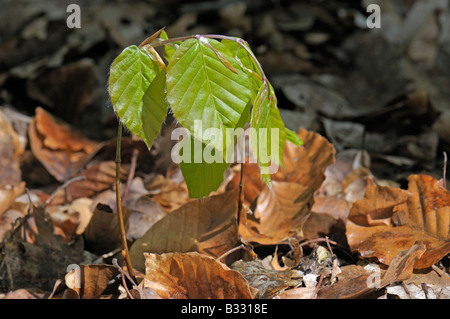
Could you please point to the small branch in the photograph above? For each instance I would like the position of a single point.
(318, 240)
(124, 274)
(241, 246)
(316, 289)
(444, 171)
(131, 173)
(63, 186)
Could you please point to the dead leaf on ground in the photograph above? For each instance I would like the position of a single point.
(355, 282)
(206, 225)
(388, 220)
(102, 234)
(90, 281)
(193, 276)
(60, 148)
(10, 149)
(282, 210)
(268, 282)
(169, 194)
(8, 194)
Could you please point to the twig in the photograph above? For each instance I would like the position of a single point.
(444, 170)
(316, 289)
(63, 186)
(134, 157)
(425, 290)
(123, 237)
(123, 273)
(328, 244)
(230, 251)
(407, 290)
(316, 240)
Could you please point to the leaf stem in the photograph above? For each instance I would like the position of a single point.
(241, 187)
(123, 237)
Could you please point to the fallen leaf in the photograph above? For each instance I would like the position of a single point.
(102, 234)
(206, 225)
(296, 293)
(10, 149)
(282, 210)
(169, 194)
(388, 220)
(267, 282)
(193, 276)
(98, 177)
(358, 282)
(8, 194)
(60, 148)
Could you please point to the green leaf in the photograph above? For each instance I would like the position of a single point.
(293, 138)
(201, 87)
(269, 134)
(169, 49)
(136, 87)
(202, 177)
(246, 62)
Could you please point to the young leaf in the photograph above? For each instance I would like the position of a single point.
(202, 177)
(139, 103)
(269, 136)
(201, 87)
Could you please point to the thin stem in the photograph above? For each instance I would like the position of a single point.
(240, 198)
(123, 237)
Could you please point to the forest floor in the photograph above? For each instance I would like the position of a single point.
(361, 210)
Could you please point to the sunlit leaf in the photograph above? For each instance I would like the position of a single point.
(136, 87)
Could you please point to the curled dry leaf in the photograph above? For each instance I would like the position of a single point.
(102, 234)
(60, 148)
(206, 225)
(193, 276)
(355, 281)
(90, 281)
(388, 220)
(282, 210)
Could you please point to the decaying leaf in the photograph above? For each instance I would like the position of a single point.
(193, 276)
(388, 220)
(207, 225)
(10, 149)
(61, 149)
(356, 282)
(102, 234)
(90, 281)
(267, 282)
(282, 210)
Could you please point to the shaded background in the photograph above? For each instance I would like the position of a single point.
(384, 90)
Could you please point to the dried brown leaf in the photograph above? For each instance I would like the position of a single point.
(10, 149)
(207, 225)
(389, 220)
(282, 210)
(60, 148)
(193, 276)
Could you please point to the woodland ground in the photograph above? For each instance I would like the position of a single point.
(368, 189)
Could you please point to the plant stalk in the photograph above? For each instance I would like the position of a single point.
(240, 198)
(125, 255)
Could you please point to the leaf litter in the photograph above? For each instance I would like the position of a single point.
(360, 211)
